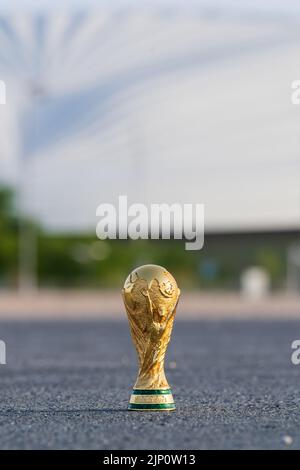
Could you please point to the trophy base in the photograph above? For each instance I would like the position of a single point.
(151, 400)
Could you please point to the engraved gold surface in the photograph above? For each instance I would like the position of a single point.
(153, 399)
(150, 296)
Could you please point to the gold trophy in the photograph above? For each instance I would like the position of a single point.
(150, 296)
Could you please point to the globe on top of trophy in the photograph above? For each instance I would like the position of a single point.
(151, 296)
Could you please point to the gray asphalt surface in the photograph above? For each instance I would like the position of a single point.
(67, 385)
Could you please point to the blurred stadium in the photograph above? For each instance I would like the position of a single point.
(164, 102)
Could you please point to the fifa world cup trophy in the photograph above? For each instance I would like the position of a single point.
(150, 296)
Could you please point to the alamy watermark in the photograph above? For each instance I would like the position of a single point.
(2, 353)
(295, 357)
(295, 96)
(158, 221)
(2, 92)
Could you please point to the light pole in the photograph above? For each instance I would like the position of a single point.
(28, 255)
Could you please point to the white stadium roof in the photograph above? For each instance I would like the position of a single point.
(162, 107)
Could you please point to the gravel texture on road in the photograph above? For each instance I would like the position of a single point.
(66, 385)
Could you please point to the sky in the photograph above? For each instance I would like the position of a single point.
(161, 107)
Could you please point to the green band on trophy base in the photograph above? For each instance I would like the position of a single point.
(151, 400)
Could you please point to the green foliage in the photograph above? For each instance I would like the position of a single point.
(83, 261)
(273, 261)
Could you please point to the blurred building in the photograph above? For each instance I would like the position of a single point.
(164, 103)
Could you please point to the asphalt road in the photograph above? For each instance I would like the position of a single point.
(66, 385)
